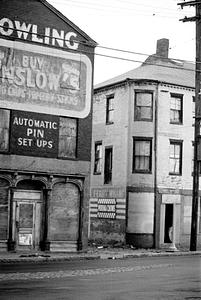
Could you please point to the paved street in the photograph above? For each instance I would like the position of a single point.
(176, 277)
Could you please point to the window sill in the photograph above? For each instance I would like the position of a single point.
(175, 174)
(143, 120)
(141, 172)
(176, 123)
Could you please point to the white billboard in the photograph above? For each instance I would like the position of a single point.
(44, 79)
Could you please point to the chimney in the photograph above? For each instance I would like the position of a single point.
(162, 48)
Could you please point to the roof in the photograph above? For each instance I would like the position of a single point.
(164, 70)
(92, 43)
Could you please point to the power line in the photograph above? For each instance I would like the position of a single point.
(87, 43)
(113, 9)
(100, 4)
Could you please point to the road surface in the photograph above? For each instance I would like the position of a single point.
(157, 278)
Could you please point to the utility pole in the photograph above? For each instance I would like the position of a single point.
(197, 158)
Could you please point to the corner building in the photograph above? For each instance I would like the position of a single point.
(46, 74)
(142, 155)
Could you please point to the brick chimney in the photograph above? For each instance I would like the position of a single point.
(162, 48)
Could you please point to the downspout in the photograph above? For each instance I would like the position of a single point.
(129, 124)
(156, 227)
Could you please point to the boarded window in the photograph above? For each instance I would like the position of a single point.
(4, 129)
(67, 137)
(64, 212)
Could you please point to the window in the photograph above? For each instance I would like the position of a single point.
(110, 109)
(67, 137)
(142, 155)
(175, 157)
(4, 130)
(108, 166)
(176, 107)
(98, 156)
(143, 106)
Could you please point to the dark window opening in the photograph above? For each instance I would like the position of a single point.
(108, 166)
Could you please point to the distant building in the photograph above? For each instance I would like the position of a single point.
(142, 154)
(46, 67)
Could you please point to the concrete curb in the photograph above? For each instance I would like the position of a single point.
(45, 258)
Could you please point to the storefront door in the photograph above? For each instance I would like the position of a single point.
(27, 219)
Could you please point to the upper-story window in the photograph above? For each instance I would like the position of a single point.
(98, 157)
(175, 157)
(4, 129)
(176, 108)
(67, 137)
(142, 155)
(143, 106)
(108, 166)
(110, 109)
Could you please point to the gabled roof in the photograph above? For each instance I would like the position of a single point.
(65, 19)
(164, 70)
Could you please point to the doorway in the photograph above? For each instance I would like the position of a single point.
(27, 219)
(168, 223)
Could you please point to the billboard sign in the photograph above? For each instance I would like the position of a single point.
(44, 80)
(34, 134)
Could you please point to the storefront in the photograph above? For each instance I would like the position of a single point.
(45, 129)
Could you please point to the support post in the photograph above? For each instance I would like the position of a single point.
(196, 169)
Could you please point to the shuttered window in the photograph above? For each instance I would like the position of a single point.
(67, 137)
(4, 130)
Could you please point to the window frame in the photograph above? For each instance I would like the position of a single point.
(177, 96)
(100, 159)
(76, 140)
(109, 110)
(142, 139)
(108, 170)
(180, 143)
(136, 114)
(7, 149)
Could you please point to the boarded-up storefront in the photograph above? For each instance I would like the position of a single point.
(46, 67)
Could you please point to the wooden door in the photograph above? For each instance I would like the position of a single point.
(27, 222)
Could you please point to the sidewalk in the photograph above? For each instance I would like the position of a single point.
(91, 253)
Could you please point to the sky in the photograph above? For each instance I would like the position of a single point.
(132, 28)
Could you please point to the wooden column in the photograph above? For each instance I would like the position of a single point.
(11, 242)
(45, 243)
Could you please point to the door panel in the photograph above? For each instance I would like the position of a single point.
(24, 224)
(27, 219)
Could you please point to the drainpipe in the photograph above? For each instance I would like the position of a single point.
(156, 233)
(129, 124)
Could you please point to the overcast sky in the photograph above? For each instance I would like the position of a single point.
(131, 25)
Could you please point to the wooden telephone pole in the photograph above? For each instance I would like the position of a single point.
(196, 169)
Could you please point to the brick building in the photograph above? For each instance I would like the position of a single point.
(46, 74)
(142, 154)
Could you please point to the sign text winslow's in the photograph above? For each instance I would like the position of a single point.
(55, 82)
